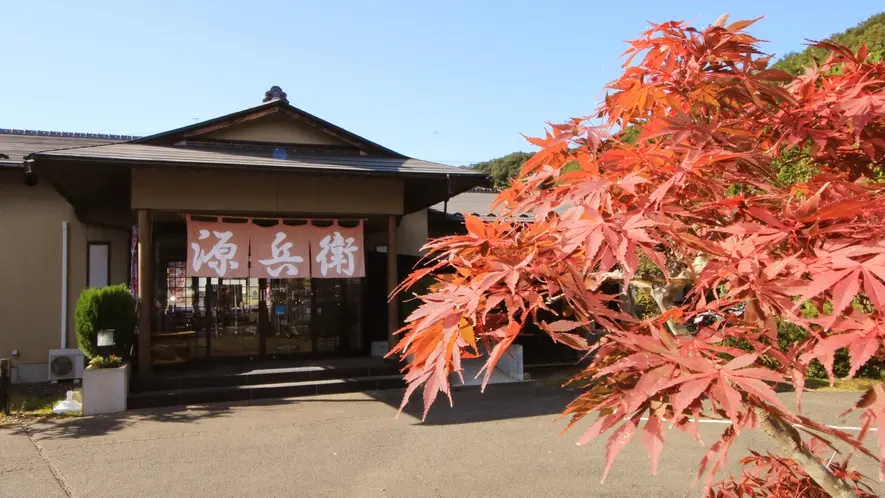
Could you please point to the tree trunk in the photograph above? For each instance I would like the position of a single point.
(663, 296)
(789, 441)
(628, 305)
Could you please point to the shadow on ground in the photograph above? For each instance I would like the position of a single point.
(470, 405)
(81, 427)
(499, 402)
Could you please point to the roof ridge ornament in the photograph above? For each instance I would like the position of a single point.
(275, 93)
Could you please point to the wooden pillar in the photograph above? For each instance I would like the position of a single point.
(145, 294)
(264, 308)
(5, 383)
(393, 321)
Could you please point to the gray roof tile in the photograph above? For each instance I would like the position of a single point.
(475, 202)
(478, 202)
(18, 143)
(134, 153)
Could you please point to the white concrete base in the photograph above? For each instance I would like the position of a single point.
(378, 349)
(105, 390)
(512, 364)
(508, 369)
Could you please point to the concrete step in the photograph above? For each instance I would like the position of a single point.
(260, 376)
(246, 392)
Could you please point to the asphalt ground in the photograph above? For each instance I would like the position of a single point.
(505, 442)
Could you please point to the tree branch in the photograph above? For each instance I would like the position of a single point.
(663, 296)
(789, 441)
(661, 290)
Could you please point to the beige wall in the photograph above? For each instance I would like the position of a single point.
(30, 263)
(275, 128)
(411, 235)
(245, 192)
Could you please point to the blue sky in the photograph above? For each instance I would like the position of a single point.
(454, 81)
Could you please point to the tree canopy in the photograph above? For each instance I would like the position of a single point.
(697, 195)
(870, 32)
(504, 168)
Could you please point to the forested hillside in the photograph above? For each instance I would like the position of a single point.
(504, 168)
(871, 32)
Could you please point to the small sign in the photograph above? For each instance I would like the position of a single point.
(279, 309)
(105, 338)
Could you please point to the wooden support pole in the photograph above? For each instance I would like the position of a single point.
(5, 383)
(393, 321)
(145, 296)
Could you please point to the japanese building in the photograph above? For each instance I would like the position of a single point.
(265, 233)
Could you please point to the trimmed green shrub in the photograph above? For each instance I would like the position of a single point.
(111, 307)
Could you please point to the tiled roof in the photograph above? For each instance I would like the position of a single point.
(16, 144)
(134, 154)
(476, 202)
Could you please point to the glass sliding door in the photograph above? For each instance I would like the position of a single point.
(352, 316)
(337, 323)
(289, 322)
(314, 316)
(327, 321)
(231, 315)
(202, 317)
(177, 335)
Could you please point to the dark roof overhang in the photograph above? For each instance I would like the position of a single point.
(87, 182)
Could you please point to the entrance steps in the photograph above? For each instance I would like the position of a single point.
(277, 379)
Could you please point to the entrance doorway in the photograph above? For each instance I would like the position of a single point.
(223, 318)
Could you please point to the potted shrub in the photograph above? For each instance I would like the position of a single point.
(106, 380)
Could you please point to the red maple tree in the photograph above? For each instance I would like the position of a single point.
(696, 195)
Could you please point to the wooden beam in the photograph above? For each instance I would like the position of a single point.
(393, 321)
(313, 124)
(233, 122)
(145, 296)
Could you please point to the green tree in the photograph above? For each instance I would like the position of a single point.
(871, 32)
(504, 168)
(711, 116)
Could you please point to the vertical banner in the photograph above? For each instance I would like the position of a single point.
(216, 249)
(337, 252)
(280, 251)
(133, 263)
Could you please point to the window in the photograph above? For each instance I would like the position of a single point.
(98, 264)
(179, 293)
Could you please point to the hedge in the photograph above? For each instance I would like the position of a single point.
(111, 307)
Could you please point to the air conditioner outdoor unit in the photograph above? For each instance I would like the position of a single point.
(65, 364)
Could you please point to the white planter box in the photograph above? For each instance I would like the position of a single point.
(508, 369)
(105, 390)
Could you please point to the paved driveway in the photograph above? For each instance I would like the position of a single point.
(502, 443)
